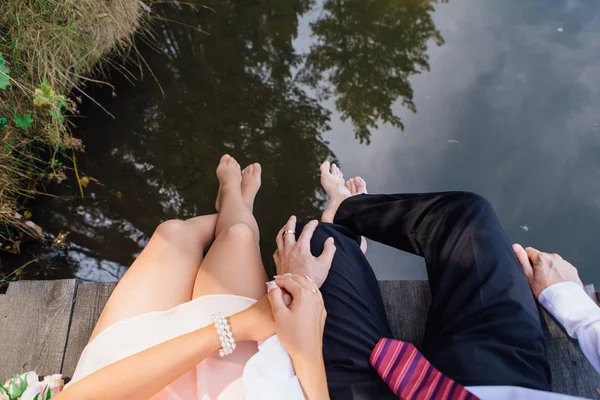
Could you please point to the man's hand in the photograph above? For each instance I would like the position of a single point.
(543, 269)
(295, 258)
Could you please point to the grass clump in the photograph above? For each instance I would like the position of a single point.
(47, 49)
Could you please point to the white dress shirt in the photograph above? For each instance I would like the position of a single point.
(269, 374)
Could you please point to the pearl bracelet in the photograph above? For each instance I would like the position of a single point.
(224, 332)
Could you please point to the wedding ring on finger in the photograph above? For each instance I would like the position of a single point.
(288, 232)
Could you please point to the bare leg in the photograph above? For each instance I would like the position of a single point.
(332, 180)
(357, 185)
(163, 276)
(233, 264)
(233, 207)
(249, 186)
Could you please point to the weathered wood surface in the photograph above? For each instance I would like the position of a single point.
(44, 326)
(406, 305)
(570, 369)
(34, 322)
(89, 302)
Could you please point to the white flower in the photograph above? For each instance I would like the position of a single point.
(3, 394)
(33, 390)
(30, 377)
(55, 383)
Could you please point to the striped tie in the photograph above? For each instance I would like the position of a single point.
(411, 376)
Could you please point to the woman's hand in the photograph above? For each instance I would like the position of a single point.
(295, 258)
(299, 326)
(544, 269)
(300, 330)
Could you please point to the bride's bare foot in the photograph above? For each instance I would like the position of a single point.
(332, 180)
(229, 175)
(251, 183)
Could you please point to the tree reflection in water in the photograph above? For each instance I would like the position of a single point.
(367, 50)
(228, 85)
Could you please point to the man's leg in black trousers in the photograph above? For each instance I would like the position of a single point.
(483, 326)
(356, 318)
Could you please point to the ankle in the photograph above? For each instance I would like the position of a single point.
(231, 188)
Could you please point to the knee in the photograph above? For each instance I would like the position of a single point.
(239, 232)
(172, 230)
(474, 201)
(468, 203)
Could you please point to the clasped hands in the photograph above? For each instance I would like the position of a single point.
(293, 308)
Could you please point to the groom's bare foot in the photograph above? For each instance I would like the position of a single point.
(229, 175)
(332, 180)
(357, 186)
(251, 183)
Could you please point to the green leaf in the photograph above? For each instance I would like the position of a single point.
(4, 73)
(44, 94)
(23, 122)
(3, 122)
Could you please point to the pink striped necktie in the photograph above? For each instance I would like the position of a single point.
(411, 376)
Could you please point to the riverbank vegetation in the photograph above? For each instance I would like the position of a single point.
(49, 49)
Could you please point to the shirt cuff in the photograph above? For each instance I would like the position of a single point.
(568, 303)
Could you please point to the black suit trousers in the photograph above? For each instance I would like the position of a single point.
(483, 326)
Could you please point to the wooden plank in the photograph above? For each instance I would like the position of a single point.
(571, 372)
(34, 321)
(406, 305)
(89, 303)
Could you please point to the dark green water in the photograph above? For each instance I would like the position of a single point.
(497, 97)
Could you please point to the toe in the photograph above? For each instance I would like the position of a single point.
(351, 186)
(256, 169)
(325, 168)
(361, 185)
(336, 171)
(230, 161)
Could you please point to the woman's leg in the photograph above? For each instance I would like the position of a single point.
(162, 276)
(233, 264)
(231, 198)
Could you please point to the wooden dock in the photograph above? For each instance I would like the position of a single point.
(44, 326)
